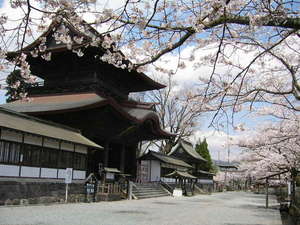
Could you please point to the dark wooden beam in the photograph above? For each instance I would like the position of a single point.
(106, 154)
(122, 164)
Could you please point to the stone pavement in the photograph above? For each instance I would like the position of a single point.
(229, 208)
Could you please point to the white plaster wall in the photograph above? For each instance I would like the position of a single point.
(27, 171)
(168, 180)
(155, 170)
(51, 143)
(205, 181)
(81, 149)
(79, 174)
(34, 140)
(9, 170)
(62, 173)
(67, 146)
(11, 135)
(49, 173)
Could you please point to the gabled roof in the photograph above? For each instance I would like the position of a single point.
(111, 170)
(89, 34)
(49, 104)
(165, 158)
(54, 103)
(188, 148)
(205, 172)
(24, 123)
(176, 174)
(225, 164)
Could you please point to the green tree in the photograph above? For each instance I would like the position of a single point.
(16, 86)
(202, 149)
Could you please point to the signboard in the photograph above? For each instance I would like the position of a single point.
(90, 188)
(110, 176)
(68, 175)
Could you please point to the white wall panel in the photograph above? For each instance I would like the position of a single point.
(155, 170)
(61, 173)
(9, 170)
(79, 174)
(27, 171)
(49, 173)
(34, 140)
(11, 135)
(205, 181)
(168, 180)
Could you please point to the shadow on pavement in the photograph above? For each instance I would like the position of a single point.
(165, 203)
(130, 212)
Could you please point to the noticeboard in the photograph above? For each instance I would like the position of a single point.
(68, 175)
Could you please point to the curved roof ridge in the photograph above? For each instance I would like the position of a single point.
(166, 158)
(188, 148)
(73, 102)
(89, 34)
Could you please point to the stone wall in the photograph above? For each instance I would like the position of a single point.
(22, 193)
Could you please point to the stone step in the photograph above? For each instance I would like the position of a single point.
(146, 188)
(151, 196)
(148, 191)
(137, 186)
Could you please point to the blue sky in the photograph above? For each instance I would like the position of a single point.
(1, 2)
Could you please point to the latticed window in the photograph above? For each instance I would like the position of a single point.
(79, 161)
(9, 152)
(31, 155)
(49, 157)
(65, 159)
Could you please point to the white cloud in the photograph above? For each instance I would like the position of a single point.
(218, 143)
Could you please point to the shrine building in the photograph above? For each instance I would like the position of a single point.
(85, 93)
(82, 97)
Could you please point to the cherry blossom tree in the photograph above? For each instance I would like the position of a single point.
(248, 47)
(178, 112)
(275, 146)
(264, 32)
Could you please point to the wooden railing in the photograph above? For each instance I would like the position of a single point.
(109, 188)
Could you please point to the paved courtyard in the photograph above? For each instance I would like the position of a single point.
(230, 208)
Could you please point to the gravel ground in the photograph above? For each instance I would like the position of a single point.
(229, 208)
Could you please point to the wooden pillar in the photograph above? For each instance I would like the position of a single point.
(267, 193)
(106, 152)
(122, 166)
(21, 157)
(293, 186)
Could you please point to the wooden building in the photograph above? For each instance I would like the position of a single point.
(34, 155)
(186, 152)
(33, 148)
(85, 93)
(155, 165)
(226, 166)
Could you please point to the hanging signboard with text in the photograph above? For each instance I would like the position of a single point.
(68, 175)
